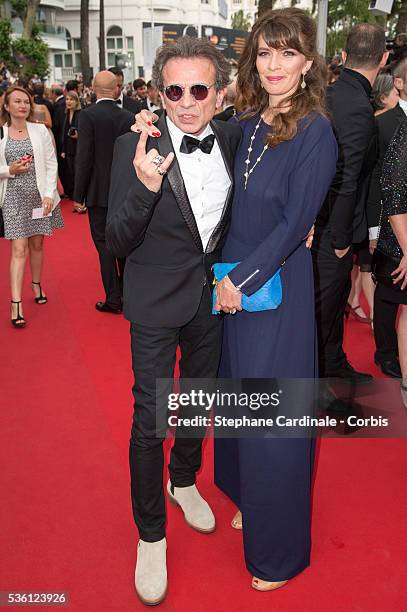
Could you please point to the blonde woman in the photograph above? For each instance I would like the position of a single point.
(28, 195)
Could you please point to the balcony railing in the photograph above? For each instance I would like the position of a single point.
(57, 31)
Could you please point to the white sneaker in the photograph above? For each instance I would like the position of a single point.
(197, 511)
(151, 571)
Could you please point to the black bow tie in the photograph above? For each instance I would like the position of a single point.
(189, 144)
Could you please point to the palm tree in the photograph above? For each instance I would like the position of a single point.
(102, 40)
(29, 17)
(86, 72)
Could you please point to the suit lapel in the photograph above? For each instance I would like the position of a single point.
(176, 182)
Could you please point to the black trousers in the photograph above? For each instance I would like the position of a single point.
(153, 356)
(332, 277)
(384, 320)
(109, 268)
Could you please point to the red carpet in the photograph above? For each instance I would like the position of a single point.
(65, 516)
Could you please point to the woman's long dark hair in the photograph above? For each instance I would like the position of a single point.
(284, 28)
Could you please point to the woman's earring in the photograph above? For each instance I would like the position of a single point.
(303, 83)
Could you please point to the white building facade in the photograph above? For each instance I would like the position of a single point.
(125, 21)
(249, 7)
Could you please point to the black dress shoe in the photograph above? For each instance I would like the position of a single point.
(348, 372)
(390, 367)
(104, 307)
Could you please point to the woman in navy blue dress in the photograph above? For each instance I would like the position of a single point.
(283, 170)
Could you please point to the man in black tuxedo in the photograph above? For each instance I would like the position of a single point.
(342, 220)
(58, 119)
(123, 101)
(171, 227)
(99, 126)
(385, 312)
(229, 110)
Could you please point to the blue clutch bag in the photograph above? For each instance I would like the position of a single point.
(268, 297)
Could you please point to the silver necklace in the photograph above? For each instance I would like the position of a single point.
(249, 150)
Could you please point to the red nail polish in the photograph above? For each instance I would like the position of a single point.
(149, 123)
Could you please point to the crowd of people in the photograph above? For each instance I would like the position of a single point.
(296, 173)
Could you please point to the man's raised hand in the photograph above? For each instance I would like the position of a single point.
(149, 168)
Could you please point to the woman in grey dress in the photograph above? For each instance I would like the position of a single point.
(28, 195)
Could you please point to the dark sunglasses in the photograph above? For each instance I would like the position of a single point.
(199, 91)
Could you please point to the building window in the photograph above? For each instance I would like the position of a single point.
(130, 43)
(68, 58)
(114, 44)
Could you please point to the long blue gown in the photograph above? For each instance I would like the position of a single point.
(270, 479)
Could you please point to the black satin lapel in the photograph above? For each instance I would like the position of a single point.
(164, 145)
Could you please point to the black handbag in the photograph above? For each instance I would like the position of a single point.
(382, 267)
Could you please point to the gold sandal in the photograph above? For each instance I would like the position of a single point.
(237, 521)
(263, 585)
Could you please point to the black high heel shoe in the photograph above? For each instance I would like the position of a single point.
(19, 321)
(41, 299)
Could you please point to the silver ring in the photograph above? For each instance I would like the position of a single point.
(233, 312)
(158, 160)
(161, 172)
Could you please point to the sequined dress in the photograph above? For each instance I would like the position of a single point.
(394, 202)
(22, 196)
(394, 190)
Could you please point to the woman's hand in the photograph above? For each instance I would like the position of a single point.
(20, 166)
(228, 297)
(144, 123)
(372, 245)
(47, 206)
(309, 238)
(400, 273)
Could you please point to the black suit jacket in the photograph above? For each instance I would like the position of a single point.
(226, 114)
(131, 105)
(58, 118)
(166, 267)
(98, 127)
(353, 122)
(386, 125)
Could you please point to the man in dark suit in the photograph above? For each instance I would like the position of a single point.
(342, 220)
(229, 110)
(122, 100)
(171, 227)
(99, 126)
(58, 119)
(385, 312)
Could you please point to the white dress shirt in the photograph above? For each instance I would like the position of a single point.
(403, 105)
(206, 180)
(151, 106)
